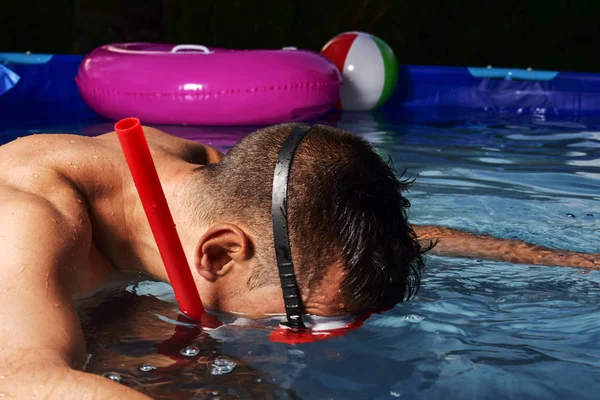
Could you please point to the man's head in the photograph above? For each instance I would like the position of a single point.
(350, 239)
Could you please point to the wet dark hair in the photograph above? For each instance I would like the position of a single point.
(345, 206)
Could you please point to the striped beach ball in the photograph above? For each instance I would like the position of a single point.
(368, 66)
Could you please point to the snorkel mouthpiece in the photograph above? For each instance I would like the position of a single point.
(317, 328)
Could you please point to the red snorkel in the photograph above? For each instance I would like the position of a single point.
(138, 157)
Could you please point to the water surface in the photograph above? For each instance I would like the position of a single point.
(478, 329)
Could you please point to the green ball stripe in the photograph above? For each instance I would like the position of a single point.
(390, 66)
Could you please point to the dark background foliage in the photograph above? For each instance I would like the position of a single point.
(542, 34)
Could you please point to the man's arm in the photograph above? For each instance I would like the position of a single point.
(455, 243)
(41, 342)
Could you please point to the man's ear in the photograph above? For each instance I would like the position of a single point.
(221, 246)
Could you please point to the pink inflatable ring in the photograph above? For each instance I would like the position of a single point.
(190, 84)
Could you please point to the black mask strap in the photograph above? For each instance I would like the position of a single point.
(291, 294)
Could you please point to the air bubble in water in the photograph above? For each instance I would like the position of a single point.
(222, 365)
(190, 351)
(112, 376)
(570, 215)
(414, 318)
(147, 368)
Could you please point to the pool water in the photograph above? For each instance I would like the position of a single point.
(477, 329)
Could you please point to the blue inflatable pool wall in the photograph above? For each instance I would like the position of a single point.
(43, 87)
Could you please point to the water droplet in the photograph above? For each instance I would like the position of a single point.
(95, 156)
(112, 376)
(258, 380)
(147, 368)
(584, 272)
(215, 393)
(222, 365)
(69, 163)
(190, 351)
(570, 215)
(36, 175)
(414, 318)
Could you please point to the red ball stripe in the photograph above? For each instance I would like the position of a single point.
(337, 49)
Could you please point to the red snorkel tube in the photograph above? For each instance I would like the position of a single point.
(138, 157)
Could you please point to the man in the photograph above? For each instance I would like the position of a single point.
(70, 217)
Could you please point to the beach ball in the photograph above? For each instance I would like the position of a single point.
(368, 66)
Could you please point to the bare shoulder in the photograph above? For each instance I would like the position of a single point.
(188, 150)
(42, 247)
(191, 151)
(41, 145)
(36, 232)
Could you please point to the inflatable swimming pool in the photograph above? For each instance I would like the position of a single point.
(190, 84)
(46, 92)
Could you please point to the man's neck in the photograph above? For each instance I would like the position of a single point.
(121, 229)
(173, 176)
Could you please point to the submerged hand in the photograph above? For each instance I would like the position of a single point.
(455, 243)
